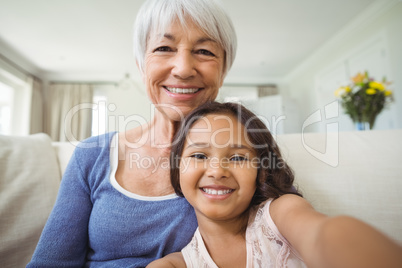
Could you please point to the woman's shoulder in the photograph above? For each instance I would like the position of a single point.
(93, 148)
(95, 144)
(99, 141)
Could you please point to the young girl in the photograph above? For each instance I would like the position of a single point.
(225, 162)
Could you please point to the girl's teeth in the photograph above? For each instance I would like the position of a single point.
(182, 90)
(216, 192)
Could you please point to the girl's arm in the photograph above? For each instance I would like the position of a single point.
(173, 260)
(340, 241)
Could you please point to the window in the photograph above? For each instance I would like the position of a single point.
(6, 106)
(15, 100)
(99, 114)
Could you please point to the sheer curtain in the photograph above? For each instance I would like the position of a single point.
(36, 122)
(70, 111)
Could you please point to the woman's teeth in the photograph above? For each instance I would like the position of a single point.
(182, 90)
(216, 192)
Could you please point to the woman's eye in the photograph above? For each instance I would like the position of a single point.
(198, 156)
(206, 52)
(238, 158)
(163, 49)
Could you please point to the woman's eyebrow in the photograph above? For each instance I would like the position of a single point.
(199, 41)
(169, 36)
(204, 40)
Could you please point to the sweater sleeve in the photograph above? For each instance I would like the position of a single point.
(64, 239)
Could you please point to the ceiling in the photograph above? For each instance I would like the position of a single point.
(91, 39)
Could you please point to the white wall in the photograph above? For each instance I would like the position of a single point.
(125, 108)
(377, 20)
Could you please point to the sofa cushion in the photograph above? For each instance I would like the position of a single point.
(29, 181)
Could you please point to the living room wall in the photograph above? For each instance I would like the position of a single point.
(376, 20)
(125, 109)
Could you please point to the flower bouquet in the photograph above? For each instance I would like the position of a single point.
(365, 98)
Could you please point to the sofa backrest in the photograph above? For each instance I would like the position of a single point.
(29, 182)
(64, 151)
(352, 173)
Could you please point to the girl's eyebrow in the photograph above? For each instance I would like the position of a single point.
(240, 146)
(198, 145)
(207, 145)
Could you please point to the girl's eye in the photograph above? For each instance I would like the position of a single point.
(198, 156)
(238, 158)
(163, 49)
(205, 52)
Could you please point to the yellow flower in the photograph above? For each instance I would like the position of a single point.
(371, 91)
(387, 92)
(359, 78)
(377, 85)
(341, 91)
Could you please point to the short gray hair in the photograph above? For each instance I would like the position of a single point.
(209, 15)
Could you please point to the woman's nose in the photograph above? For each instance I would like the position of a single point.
(217, 169)
(183, 65)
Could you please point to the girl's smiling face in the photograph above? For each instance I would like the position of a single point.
(218, 168)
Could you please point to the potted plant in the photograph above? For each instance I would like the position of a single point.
(364, 99)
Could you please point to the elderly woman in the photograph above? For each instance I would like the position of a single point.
(116, 206)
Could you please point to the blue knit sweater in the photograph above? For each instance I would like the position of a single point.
(95, 225)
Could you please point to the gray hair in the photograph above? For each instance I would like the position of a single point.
(209, 15)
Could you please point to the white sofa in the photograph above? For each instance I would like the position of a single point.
(353, 173)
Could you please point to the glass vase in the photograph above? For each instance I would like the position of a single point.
(361, 126)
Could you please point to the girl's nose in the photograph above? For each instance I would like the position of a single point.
(217, 169)
(184, 65)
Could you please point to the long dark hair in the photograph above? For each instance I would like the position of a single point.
(274, 177)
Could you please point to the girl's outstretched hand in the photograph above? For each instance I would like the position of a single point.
(347, 242)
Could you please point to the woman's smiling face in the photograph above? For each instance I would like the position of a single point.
(218, 168)
(183, 69)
